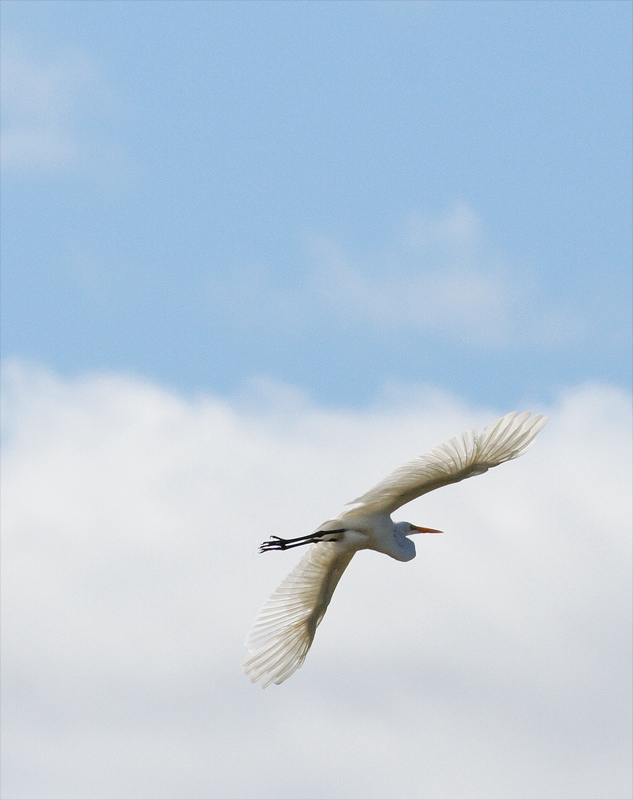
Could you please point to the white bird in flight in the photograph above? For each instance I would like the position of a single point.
(284, 629)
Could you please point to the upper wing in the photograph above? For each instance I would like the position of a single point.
(469, 454)
(284, 629)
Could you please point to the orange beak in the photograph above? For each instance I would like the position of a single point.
(425, 530)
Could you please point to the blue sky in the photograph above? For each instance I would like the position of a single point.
(254, 257)
(335, 196)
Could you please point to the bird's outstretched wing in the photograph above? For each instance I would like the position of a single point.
(470, 454)
(284, 629)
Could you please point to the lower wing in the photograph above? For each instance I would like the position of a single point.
(284, 629)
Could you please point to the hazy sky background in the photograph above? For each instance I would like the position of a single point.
(254, 256)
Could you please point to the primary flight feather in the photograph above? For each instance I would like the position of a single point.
(285, 626)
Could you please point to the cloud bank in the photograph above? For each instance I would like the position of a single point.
(496, 664)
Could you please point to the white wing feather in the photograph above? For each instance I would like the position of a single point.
(466, 455)
(284, 629)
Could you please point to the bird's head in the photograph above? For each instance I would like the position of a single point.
(402, 548)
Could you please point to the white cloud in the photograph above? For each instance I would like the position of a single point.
(440, 276)
(497, 664)
(42, 102)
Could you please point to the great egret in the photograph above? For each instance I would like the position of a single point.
(285, 626)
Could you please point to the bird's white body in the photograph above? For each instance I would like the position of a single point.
(284, 629)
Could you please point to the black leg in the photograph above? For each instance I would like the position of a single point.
(277, 543)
